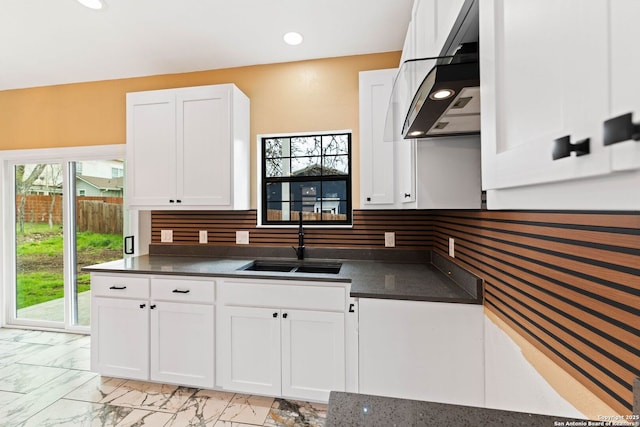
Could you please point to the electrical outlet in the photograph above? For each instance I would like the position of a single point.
(452, 247)
(166, 236)
(203, 236)
(242, 237)
(389, 239)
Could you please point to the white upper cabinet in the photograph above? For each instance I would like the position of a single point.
(552, 70)
(543, 77)
(625, 84)
(431, 23)
(188, 147)
(387, 172)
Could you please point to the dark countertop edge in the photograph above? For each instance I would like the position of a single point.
(354, 409)
(471, 300)
(237, 275)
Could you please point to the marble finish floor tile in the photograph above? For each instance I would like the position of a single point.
(40, 398)
(25, 378)
(247, 409)
(202, 409)
(61, 356)
(44, 337)
(96, 389)
(13, 351)
(7, 397)
(292, 413)
(74, 413)
(150, 396)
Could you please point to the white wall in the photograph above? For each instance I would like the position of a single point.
(512, 383)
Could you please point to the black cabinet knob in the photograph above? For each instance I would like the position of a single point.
(621, 129)
(407, 195)
(171, 201)
(563, 147)
(368, 199)
(178, 201)
(285, 315)
(275, 315)
(152, 306)
(143, 305)
(351, 308)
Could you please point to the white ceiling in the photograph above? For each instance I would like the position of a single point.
(47, 42)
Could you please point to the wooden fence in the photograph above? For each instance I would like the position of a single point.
(97, 214)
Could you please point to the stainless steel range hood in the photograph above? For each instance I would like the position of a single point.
(446, 101)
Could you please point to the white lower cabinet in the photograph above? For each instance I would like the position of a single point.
(294, 347)
(182, 343)
(422, 350)
(120, 343)
(153, 329)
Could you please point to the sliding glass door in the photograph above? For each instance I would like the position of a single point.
(67, 215)
(39, 231)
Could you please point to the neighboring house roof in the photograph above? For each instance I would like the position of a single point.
(316, 170)
(104, 184)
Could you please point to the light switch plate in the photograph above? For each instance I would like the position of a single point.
(242, 237)
(452, 247)
(203, 236)
(166, 236)
(389, 239)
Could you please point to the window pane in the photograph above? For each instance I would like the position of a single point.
(277, 167)
(306, 166)
(306, 146)
(335, 165)
(273, 147)
(335, 145)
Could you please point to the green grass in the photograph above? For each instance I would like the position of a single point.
(44, 280)
(36, 288)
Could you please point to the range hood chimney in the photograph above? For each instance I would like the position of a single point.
(447, 99)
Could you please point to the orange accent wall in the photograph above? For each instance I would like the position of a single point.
(303, 96)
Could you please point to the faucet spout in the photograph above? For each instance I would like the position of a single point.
(300, 248)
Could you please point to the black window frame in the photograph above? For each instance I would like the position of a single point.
(347, 179)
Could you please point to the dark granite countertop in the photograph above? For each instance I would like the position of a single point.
(351, 409)
(369, 279)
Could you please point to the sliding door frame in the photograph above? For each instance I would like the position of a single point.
(8, 160)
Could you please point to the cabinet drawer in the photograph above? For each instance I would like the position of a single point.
(170, 289)
(306, 295)
(120, 286)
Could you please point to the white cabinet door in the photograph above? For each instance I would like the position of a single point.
(204, 151)
(120, 345)
(543, 76)
(248, 343)
(377, 183)
(313, 354)
(387, 168)
(181, 338)
(625, 85)
(151, 148)
(422, 350)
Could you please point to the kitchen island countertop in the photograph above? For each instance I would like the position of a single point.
(369, 279)
(361, 410)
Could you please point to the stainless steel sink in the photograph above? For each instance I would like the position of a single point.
(293, 267)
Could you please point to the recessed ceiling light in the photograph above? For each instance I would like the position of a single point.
(292, 38)
(416, 133)
(92, 4)
(442, 94)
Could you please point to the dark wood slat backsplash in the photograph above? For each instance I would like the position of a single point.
(569, 282)
(412, 228)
